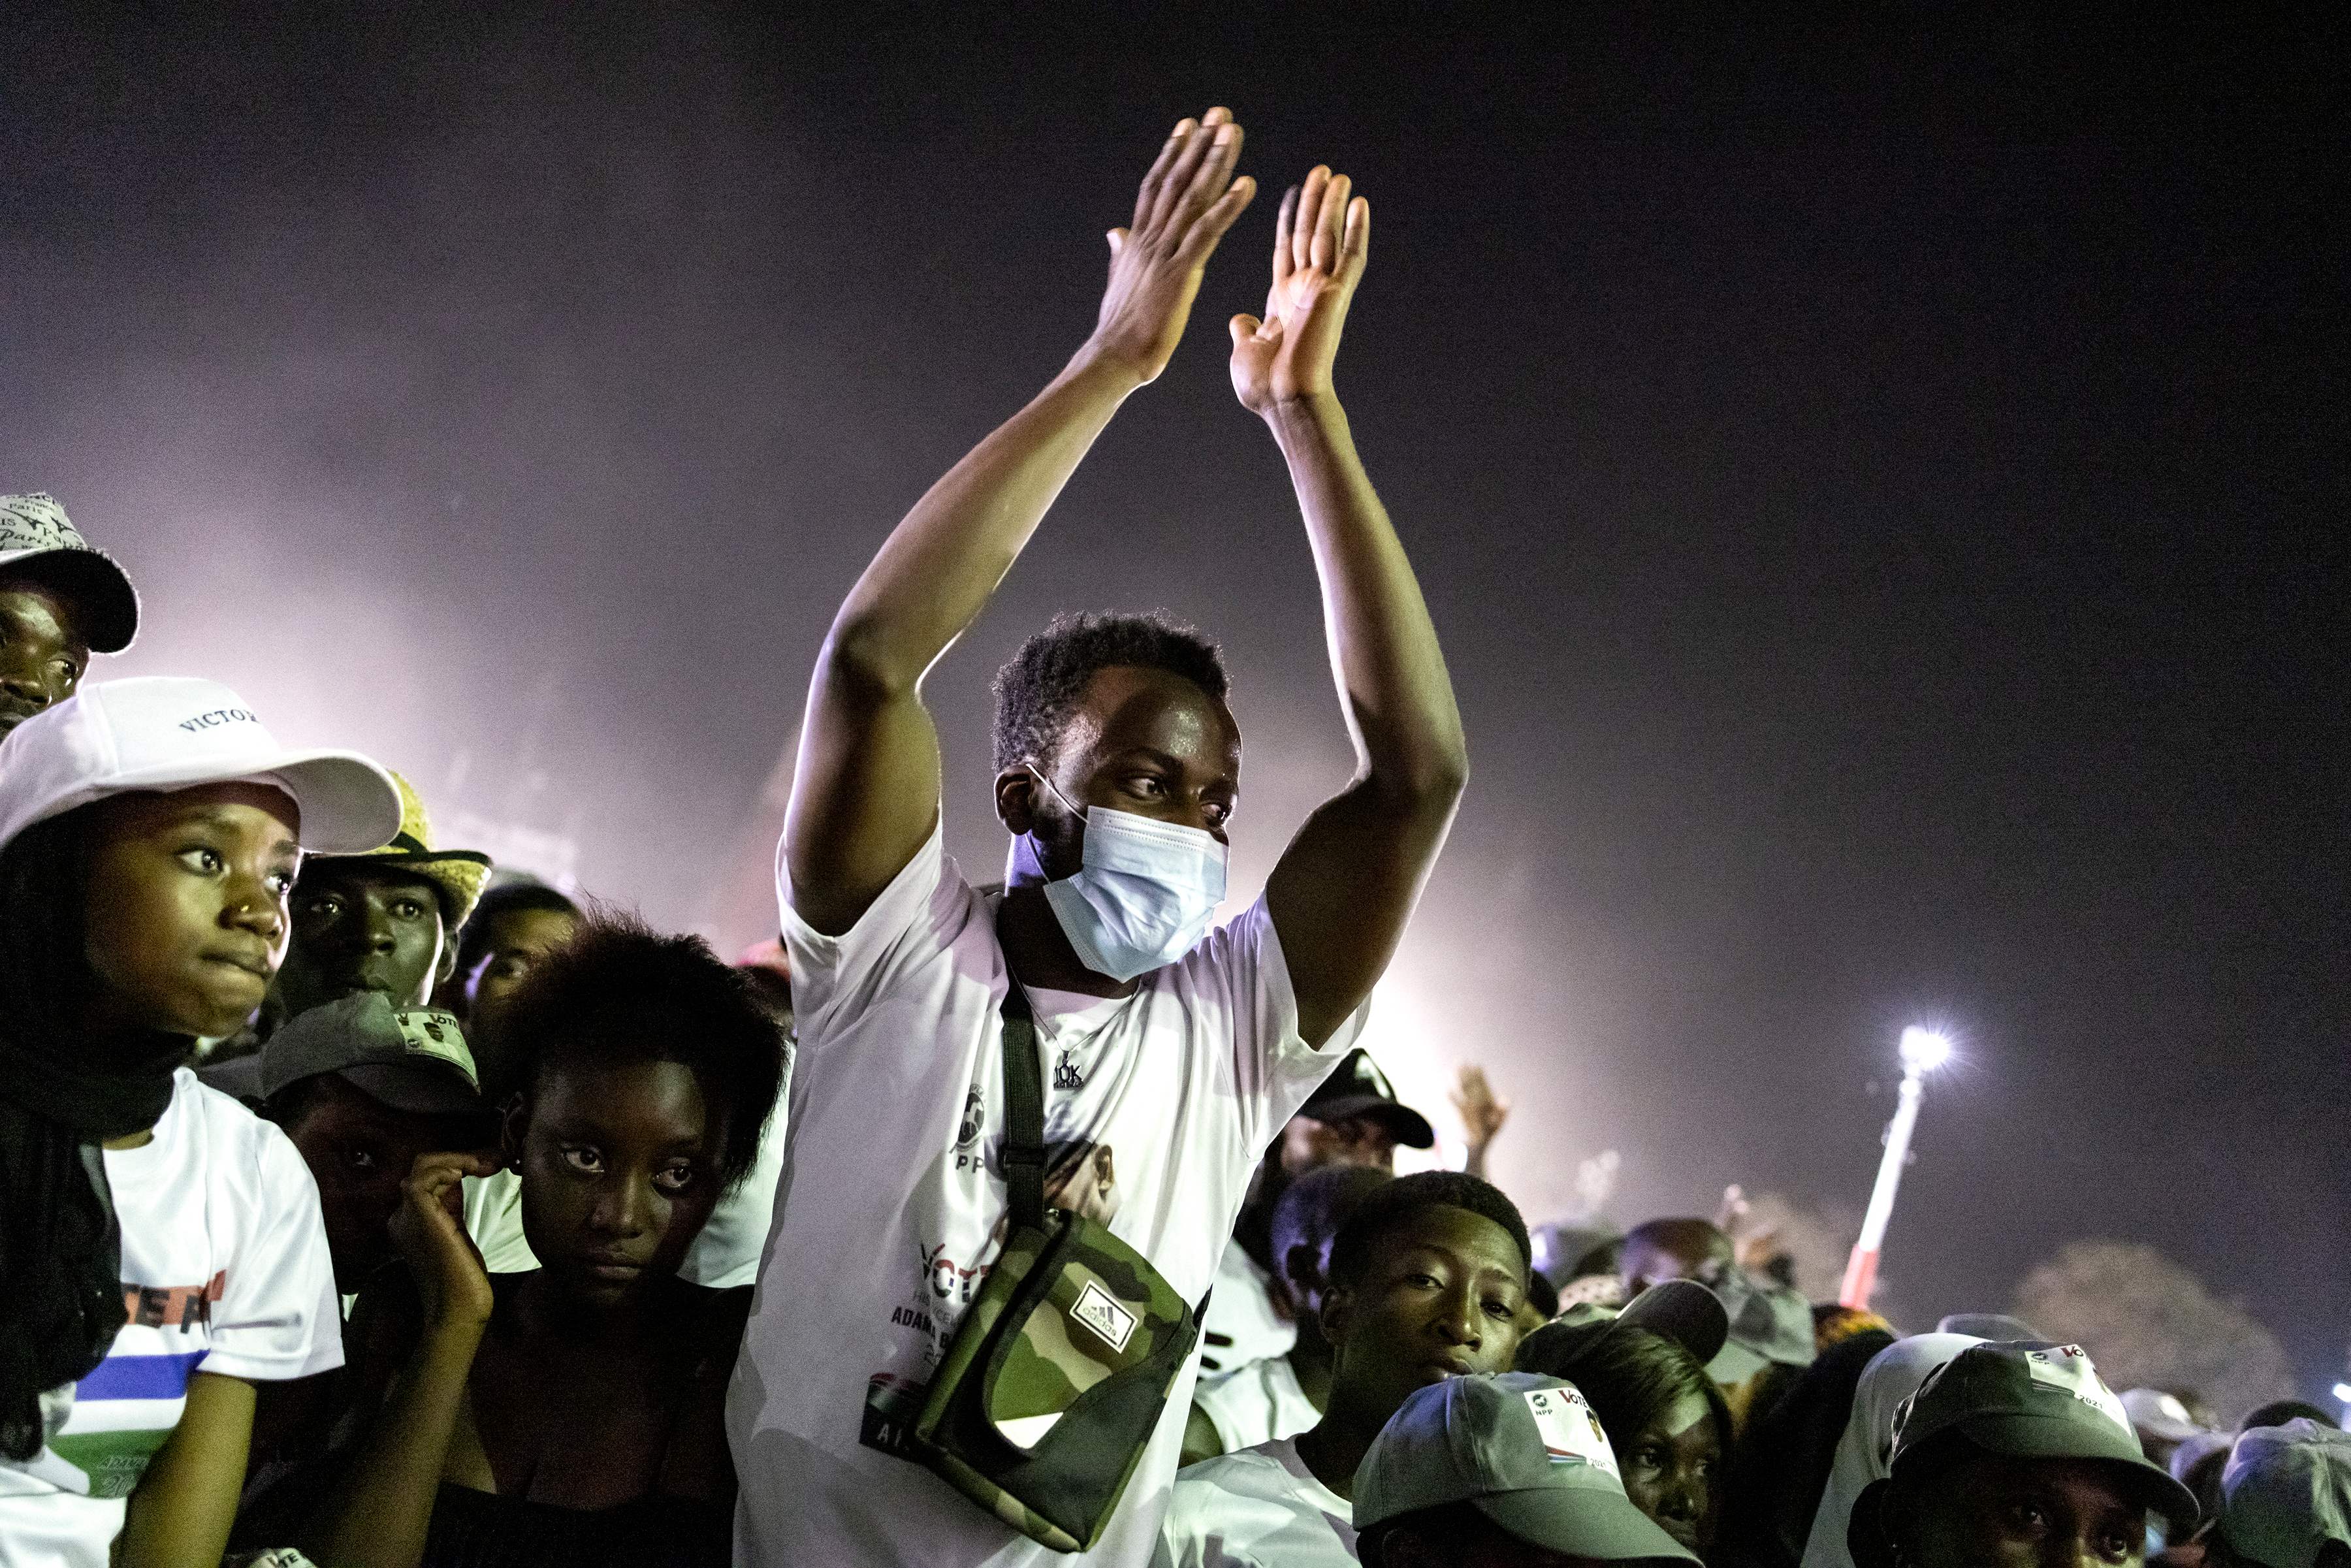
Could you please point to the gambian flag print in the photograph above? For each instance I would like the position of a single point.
(122, 1413)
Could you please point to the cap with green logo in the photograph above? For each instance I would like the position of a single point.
(1526, 1451)
(2023, 1400)
(2289, 1493)
(410, 1059)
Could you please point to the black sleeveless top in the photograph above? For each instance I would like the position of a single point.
(484, 1530)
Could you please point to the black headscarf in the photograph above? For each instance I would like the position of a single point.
(62, 1094)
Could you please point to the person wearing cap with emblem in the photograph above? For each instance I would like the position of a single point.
(2014, 1452)
(363, 1087)
(2285, 1500)
(1425, 1282)
(163, 1245)
(60, 601)
(1644, 1371)
(1512, 1470)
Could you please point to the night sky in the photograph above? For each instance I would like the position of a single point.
(1883, 496)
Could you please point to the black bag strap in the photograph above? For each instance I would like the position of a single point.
(1024, 1111)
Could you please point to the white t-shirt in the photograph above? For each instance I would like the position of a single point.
(1256, 1404)
(1242, 1325)
(887, 1215)
(1261, 1508)
(725, 1255)
(224, 1269)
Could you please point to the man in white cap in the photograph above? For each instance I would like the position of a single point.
(1489, 1471)
(60, 601)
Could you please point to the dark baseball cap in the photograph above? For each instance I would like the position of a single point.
(1526, 1451)
(2023, 1399)
(410, 1059)
(1357, 1087)
(1769, 1323)
(1681, 1310)
(2289, 1493)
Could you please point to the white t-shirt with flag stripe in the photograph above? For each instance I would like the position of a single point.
(224, 1269)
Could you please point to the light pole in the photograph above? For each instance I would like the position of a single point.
(1923, 1051)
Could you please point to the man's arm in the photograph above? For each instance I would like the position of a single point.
(1346, 884)
(866, 788)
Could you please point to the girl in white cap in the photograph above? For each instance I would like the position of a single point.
(162, 1245)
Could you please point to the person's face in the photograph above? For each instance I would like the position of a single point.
(1991, 1512)
(618, 1172)
(361, 928)
(185, 919)
(1308, 1144)
(1669, 1468)
(1143, 741)
(1696, 1252)
(1085, 1183)
(1439, 1296)
(359, 1150)
(43, 651)
(516, 941)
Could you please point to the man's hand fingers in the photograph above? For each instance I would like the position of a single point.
(1211, 176)
(1176, 188)
(1356, 246)
(1282, 224)
(1147, 194)
(1210, 226)
(1301, 227)
(1327, 216)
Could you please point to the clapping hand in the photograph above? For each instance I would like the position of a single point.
(1187, 201)
(1320, 243)
(1481, 1113)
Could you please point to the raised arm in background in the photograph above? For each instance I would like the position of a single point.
(866, 791)
(1346, 884)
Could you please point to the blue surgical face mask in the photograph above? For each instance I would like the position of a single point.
(1144, 895)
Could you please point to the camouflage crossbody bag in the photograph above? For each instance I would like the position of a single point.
(1057, 1375)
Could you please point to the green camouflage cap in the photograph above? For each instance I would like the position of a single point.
(1526, 1451)
(410, 1059)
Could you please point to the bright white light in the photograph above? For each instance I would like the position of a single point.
(2342, 1393)
(1923, 1050)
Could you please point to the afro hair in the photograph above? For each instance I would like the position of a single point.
(621, 993)
(1040, 684)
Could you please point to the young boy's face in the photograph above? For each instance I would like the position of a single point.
(619, 1169)
(43, 651)
(359, 927)
(1438, 1297)
(359, 1150)
(185, 917)
(516, 940)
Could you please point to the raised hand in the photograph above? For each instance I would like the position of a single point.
(1482, 1114)
(1321, 242)
(1187, 201)
(451, 1282)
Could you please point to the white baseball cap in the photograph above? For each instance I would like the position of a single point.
(174, 732)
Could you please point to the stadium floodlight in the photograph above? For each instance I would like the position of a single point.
(2342, 1393)
(1923, 1051)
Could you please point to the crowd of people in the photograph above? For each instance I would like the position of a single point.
(367, 1205)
